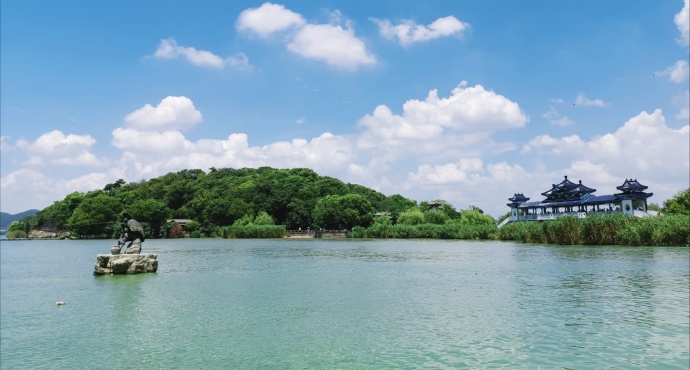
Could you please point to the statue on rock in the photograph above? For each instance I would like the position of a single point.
(132, 232)
(132, 261)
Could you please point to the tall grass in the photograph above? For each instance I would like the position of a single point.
(603, 229)
(564, 230)
(424, 231)
(526, 232)
(615, 229)
(16, 234)
(251, 231)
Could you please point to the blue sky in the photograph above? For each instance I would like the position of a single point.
(466, 101)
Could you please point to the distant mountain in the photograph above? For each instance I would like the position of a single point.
(6, 219)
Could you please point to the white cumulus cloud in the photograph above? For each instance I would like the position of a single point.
(325, 153)
(678, 73)
(168, 49)
(172, 113)
(470, 181)
(644, 146)
(165, 142)
(332, 43)
(583, 100)
(467, 110)
(25, 189)
(408, 32)
(682, 20)
(268, 19)
(55, 147)
(448, 173)
(555, 118)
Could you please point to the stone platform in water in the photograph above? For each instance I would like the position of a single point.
(107, 264)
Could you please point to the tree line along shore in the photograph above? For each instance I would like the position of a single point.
(269, 203)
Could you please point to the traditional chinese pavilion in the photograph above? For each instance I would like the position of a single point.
(577, 199)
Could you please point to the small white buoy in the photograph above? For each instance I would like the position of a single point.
(59, 303)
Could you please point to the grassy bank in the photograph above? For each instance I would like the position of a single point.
(617, 229)
(424, 231)
(250, 232)
(670, 230)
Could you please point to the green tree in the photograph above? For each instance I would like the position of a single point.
(679, 204)
(153, 212)
(395, 205)
(17, 230)
(474, 217)
(218, 211)
(111, 189)
(356, 210)
(55, 216)
(450, 211)
(413, 216)
(245, 220)
(376, 199)
(18, 226)
(384, 220)
(263, 219)
(343, 211)
(95, 215)
(435, 217)
(179, 193)
(192, 226)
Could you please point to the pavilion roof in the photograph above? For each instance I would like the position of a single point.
(631, 185)
(567, 190)
(517, 199)
(567, 193)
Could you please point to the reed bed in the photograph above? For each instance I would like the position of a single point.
(667, 230)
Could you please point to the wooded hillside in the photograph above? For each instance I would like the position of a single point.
(296, 198)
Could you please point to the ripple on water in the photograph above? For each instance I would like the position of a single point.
(378, 304)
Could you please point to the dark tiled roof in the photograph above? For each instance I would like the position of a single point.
(567, 190)
(584, 201)
(518, 197)
(567, 193)
(631, 185)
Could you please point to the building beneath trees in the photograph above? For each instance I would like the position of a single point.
(576, 199)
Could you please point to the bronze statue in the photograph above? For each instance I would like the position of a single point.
(132, 232)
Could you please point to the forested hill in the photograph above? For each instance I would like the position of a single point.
(296, 198)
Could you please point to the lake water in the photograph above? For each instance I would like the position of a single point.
(325, 304)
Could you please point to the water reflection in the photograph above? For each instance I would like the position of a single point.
(121, 295)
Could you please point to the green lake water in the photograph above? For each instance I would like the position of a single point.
(344, 304)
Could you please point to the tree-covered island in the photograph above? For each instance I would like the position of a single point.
(268, 202)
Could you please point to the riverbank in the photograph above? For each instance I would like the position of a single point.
(615, 229)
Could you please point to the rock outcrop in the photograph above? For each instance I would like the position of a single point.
(40, 234)
(107, 264)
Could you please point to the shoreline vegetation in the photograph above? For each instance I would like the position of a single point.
(668, 230)
(279, 203)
